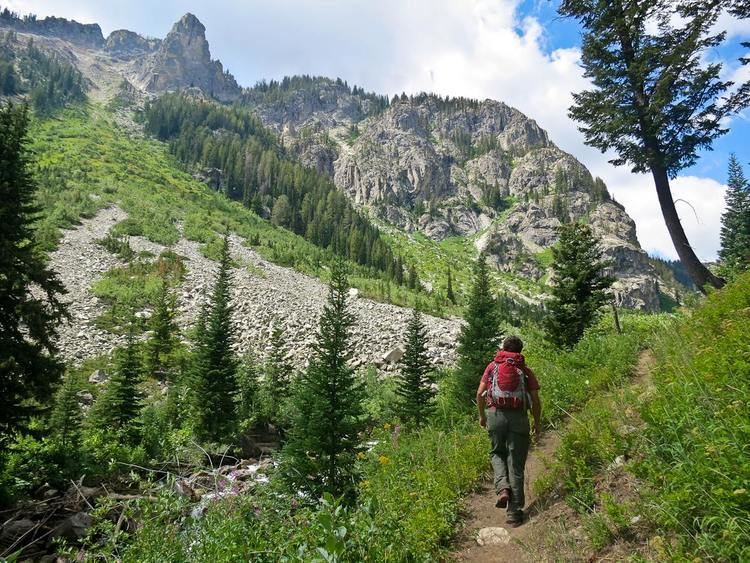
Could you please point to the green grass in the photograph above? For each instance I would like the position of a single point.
(135, 287)
(686, 433)
(696, 453)
(545, 257)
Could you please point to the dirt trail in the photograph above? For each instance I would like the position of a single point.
(481, 511)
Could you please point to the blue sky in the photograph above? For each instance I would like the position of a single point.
(517, 51)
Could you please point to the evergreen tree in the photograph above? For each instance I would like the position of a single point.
(480, 335)
(654, 100)
(278, 370)
(121, 401)
(324, 438)
(247, 389)
(449, 292)
(259, 172)
(28, 322)
(735, 222)
(580, 285)
(213, 378)
(66, 417)
(413, 282)
(414, 386)
(163, 327)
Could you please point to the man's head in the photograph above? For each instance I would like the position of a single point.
(512, 344)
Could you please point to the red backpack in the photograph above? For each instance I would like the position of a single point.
(508, 384)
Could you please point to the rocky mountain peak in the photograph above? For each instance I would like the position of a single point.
(457, 166)
(183, 60)
(189, 25)
(126, 43)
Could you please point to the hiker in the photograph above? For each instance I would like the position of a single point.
(507, 390)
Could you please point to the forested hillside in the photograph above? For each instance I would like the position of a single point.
(254, 169)
(48, 82)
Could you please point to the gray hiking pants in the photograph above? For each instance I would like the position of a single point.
(509, 432)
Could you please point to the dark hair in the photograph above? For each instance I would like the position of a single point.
(513, 344)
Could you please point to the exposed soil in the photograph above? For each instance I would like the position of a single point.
(482, 513)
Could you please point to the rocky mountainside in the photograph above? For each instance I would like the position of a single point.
(449, 167)
(78, 34)
(444, 167)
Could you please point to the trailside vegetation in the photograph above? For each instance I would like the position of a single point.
(694, 449)
(660, 469)
(28, 321)
(580, 285)
(654, 101)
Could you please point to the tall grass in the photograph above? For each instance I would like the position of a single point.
(697, 441)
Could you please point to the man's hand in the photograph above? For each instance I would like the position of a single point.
(483, 421)
(537, 432)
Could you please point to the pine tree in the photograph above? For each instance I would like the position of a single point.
(163, 327)
(415, 381)
(480, 335)
(277, 380)
(654, 101)
(121, 401)
(413, 282)
(28, 324)
(580, 285)
(324, 438)
(449, 291)
(247, 389)
(213, 383)
(735, 222)
(66, 417)
(278, 370)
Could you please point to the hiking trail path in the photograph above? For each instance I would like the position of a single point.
(505, 543)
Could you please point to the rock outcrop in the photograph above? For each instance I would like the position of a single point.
(127, 44)
(457, 167)
(183, 60)
(87, 35)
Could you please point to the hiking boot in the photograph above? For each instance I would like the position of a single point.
(503, 498)
(514, 520)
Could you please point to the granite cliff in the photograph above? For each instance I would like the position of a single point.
(456, 167)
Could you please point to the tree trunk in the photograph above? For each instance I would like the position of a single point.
(618, 328)
(695, 268)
